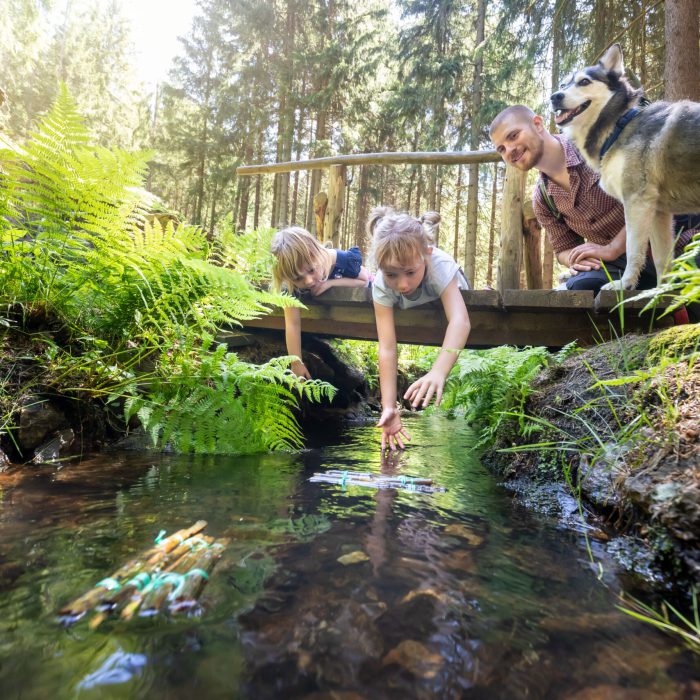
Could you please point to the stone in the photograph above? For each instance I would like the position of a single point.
(56, 448)
(37, 418)
(459, 530)
(353, 558)
(415, 658)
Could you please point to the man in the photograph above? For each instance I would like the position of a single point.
(585, 225)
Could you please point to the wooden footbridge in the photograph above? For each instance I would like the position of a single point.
(514, 317)
(508, 315)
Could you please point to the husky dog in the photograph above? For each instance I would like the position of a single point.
(648, 155)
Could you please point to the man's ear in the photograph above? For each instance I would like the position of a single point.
(538, 122)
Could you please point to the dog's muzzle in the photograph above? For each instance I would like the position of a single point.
(563, 115)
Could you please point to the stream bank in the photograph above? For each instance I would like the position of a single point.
(619, 425)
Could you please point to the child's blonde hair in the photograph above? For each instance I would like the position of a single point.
(399, 237)
(295, 249)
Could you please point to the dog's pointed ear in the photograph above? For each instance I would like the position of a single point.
(612, 60)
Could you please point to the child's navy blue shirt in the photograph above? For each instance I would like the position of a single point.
(347, 264)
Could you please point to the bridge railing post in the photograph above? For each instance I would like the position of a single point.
(511, 252)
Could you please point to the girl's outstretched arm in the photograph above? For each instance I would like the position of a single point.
(292, 337)
(458, 327)
(393, 432)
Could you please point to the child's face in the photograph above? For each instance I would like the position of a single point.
(404, 277)
(309, 277)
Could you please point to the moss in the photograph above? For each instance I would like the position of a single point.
(675, 343)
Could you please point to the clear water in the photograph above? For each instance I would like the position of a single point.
(462, 594)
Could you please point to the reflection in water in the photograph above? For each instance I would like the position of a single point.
(120, 667)
(358, 592)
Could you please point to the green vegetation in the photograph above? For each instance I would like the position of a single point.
(673, 622)
(117, 306)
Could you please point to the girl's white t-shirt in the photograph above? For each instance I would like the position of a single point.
(440, 270)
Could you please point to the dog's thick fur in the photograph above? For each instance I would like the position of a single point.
(653, 167)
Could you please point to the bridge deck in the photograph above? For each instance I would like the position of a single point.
(516, 317)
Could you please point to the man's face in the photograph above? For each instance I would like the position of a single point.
(519, 142)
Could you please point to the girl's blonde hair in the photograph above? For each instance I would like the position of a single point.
(295, 249)
(399, 237)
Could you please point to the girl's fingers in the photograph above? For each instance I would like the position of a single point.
(438, 398)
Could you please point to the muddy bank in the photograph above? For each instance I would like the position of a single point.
(620, 422)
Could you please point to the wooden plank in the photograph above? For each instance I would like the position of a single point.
(527, 317)
(608, 299)
(350, 296)
(400, 158)
(547, 299)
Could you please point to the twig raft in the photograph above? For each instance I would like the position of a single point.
(185, 598)
(153, 578)
(153, 598)
(151, 557)
(132, 589)
(376, 481)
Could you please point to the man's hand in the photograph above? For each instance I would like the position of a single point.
(590, 253)
(299, 368)
(392, 429)
(425, 388)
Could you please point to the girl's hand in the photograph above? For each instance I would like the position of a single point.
(320, 288)
(425, 388)
(299, 368)
(392, 429)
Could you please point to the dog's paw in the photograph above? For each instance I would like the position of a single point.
(617, 285)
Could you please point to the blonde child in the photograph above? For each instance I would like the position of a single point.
(302, 264)
(411, 271)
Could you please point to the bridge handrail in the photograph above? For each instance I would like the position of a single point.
(389, 158)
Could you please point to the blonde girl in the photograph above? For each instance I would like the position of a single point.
(301, 265)
(412, 271)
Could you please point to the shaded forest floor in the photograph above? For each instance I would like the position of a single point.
(619, 423)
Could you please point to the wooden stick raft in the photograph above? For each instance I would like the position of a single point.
(178, 566)
(377, 481)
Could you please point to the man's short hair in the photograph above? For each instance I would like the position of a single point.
(518, 111)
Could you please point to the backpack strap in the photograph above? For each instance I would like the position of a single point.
(547, 199)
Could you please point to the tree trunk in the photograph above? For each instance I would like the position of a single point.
(362, 210)
(473, 190)
(334, 209)
(682, 63)
(458, 206)
(419, 190)
(492, 227)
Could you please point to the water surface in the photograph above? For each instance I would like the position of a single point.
(462, 594)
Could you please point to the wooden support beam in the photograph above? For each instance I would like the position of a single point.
(336, 203)
(510, 257)
(412, 157)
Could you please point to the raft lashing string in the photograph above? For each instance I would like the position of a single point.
(167, 578)
(343, 478)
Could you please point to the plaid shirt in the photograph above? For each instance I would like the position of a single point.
(587, 213)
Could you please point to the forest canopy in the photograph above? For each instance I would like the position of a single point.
(275, 81)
